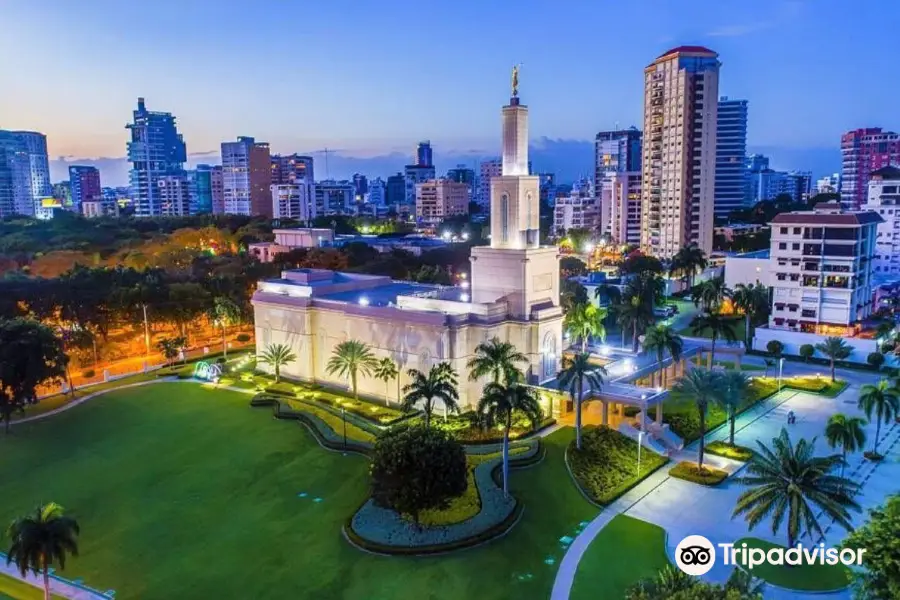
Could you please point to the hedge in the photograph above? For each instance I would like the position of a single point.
(320, 424)
(605, 466)
(724, 449)
(467, 428)
(688, 471)
(383, 531)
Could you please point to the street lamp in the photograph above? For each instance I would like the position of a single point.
(640, 443)
(780, 370)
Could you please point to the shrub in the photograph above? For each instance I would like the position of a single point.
(88, 373)
(807, 384)
(873, 456)
(888, 347)
(876, 359)
(243, 337)
(721, 448)
(775, 348)
(416, 469)
(807, 351)
(221, 360)
(606, 465)
(689, 471)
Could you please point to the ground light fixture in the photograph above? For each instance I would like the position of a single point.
(363, 300)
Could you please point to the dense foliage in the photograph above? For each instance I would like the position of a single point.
(416, 469)
(880, 580)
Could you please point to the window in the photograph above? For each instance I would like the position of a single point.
(795, 246)
(504, 218)
(782, 246)
(796, 231)
(783, 230)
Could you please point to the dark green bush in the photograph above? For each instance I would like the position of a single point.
(708, 476)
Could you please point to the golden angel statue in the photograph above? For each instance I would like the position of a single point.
(515, 80)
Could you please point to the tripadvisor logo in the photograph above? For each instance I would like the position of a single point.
(696, 555)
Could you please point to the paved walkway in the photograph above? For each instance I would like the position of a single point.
(683, 508)
(57, 586)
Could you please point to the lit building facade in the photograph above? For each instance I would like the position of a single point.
(620, 201)
(617, 151)
(246, 177)
(441, 198)
(376, 194)
(884, 199)
(395, 190)
(681, 90)
(174, 193)
(155, 150)
(487, 170)
(731, 156)
(862, 152)
(39, 186)
(821, 264)
(15, 176)
(514, 296)
(414, 175)
(830, 184)
(85, 185)
(291, 201)
(769, 185)
(333, 198)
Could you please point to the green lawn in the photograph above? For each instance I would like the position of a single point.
(14, 589)
(729, 364)
(624, 552)
(184, 491)
(813, 578)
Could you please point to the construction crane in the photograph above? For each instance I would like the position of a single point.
(326, 152)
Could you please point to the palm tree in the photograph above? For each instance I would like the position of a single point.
(584, 321)
(754, 301)
(735, 386)
(440, 382)
(498, 403)
(385, 370)
(660, 339)
(170, 347)
(277, 355)
(703, 386)
(789, 483)
(719, 326)
(224, 312)
(497, 359)
(711, 293)
(834, 348)
(634, 315)
(689, 261)
(611, 293)
(572, 377)
(882, 400)
(352, 359)
(847, 433)
(42, 540)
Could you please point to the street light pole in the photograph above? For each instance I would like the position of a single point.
(640, 443)
(344, 419)
(780, 371)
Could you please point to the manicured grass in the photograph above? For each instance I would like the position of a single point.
(689, 471)
(682, 416)
(15, 589)
(722, 448)
(812, 578)
(607, 464)
(185, 491)
(624, 552)
(729, 365)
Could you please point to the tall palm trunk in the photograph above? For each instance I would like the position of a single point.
(747, 330)
(584, 341)
(506, 454)
(702, 438)
(634, 342)
(46, 571)
(832, 369)
(387, 398)
(731, 418)
(877, 433)
(353, 382)
(577, 414)
(427, 410)
(712, 353)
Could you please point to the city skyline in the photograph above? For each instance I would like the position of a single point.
(364, 75)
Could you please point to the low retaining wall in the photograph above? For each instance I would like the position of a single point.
(383, 531)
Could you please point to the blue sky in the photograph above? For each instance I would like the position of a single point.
(370, 78)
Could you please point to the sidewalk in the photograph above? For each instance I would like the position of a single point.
(58, 586)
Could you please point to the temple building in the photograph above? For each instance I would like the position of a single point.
(514, 296)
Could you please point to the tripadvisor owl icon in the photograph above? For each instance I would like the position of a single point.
(695, 555)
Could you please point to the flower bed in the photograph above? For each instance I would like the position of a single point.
(707, 476)
(467, 505)
(329, 429)
(606, 466)
(467, 429)
(384, 531)
(724, 449)
(816, 385)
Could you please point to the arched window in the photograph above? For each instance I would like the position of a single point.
(504, 218)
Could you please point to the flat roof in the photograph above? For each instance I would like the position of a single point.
(385, 295)
(813, 218)
(755, 254)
